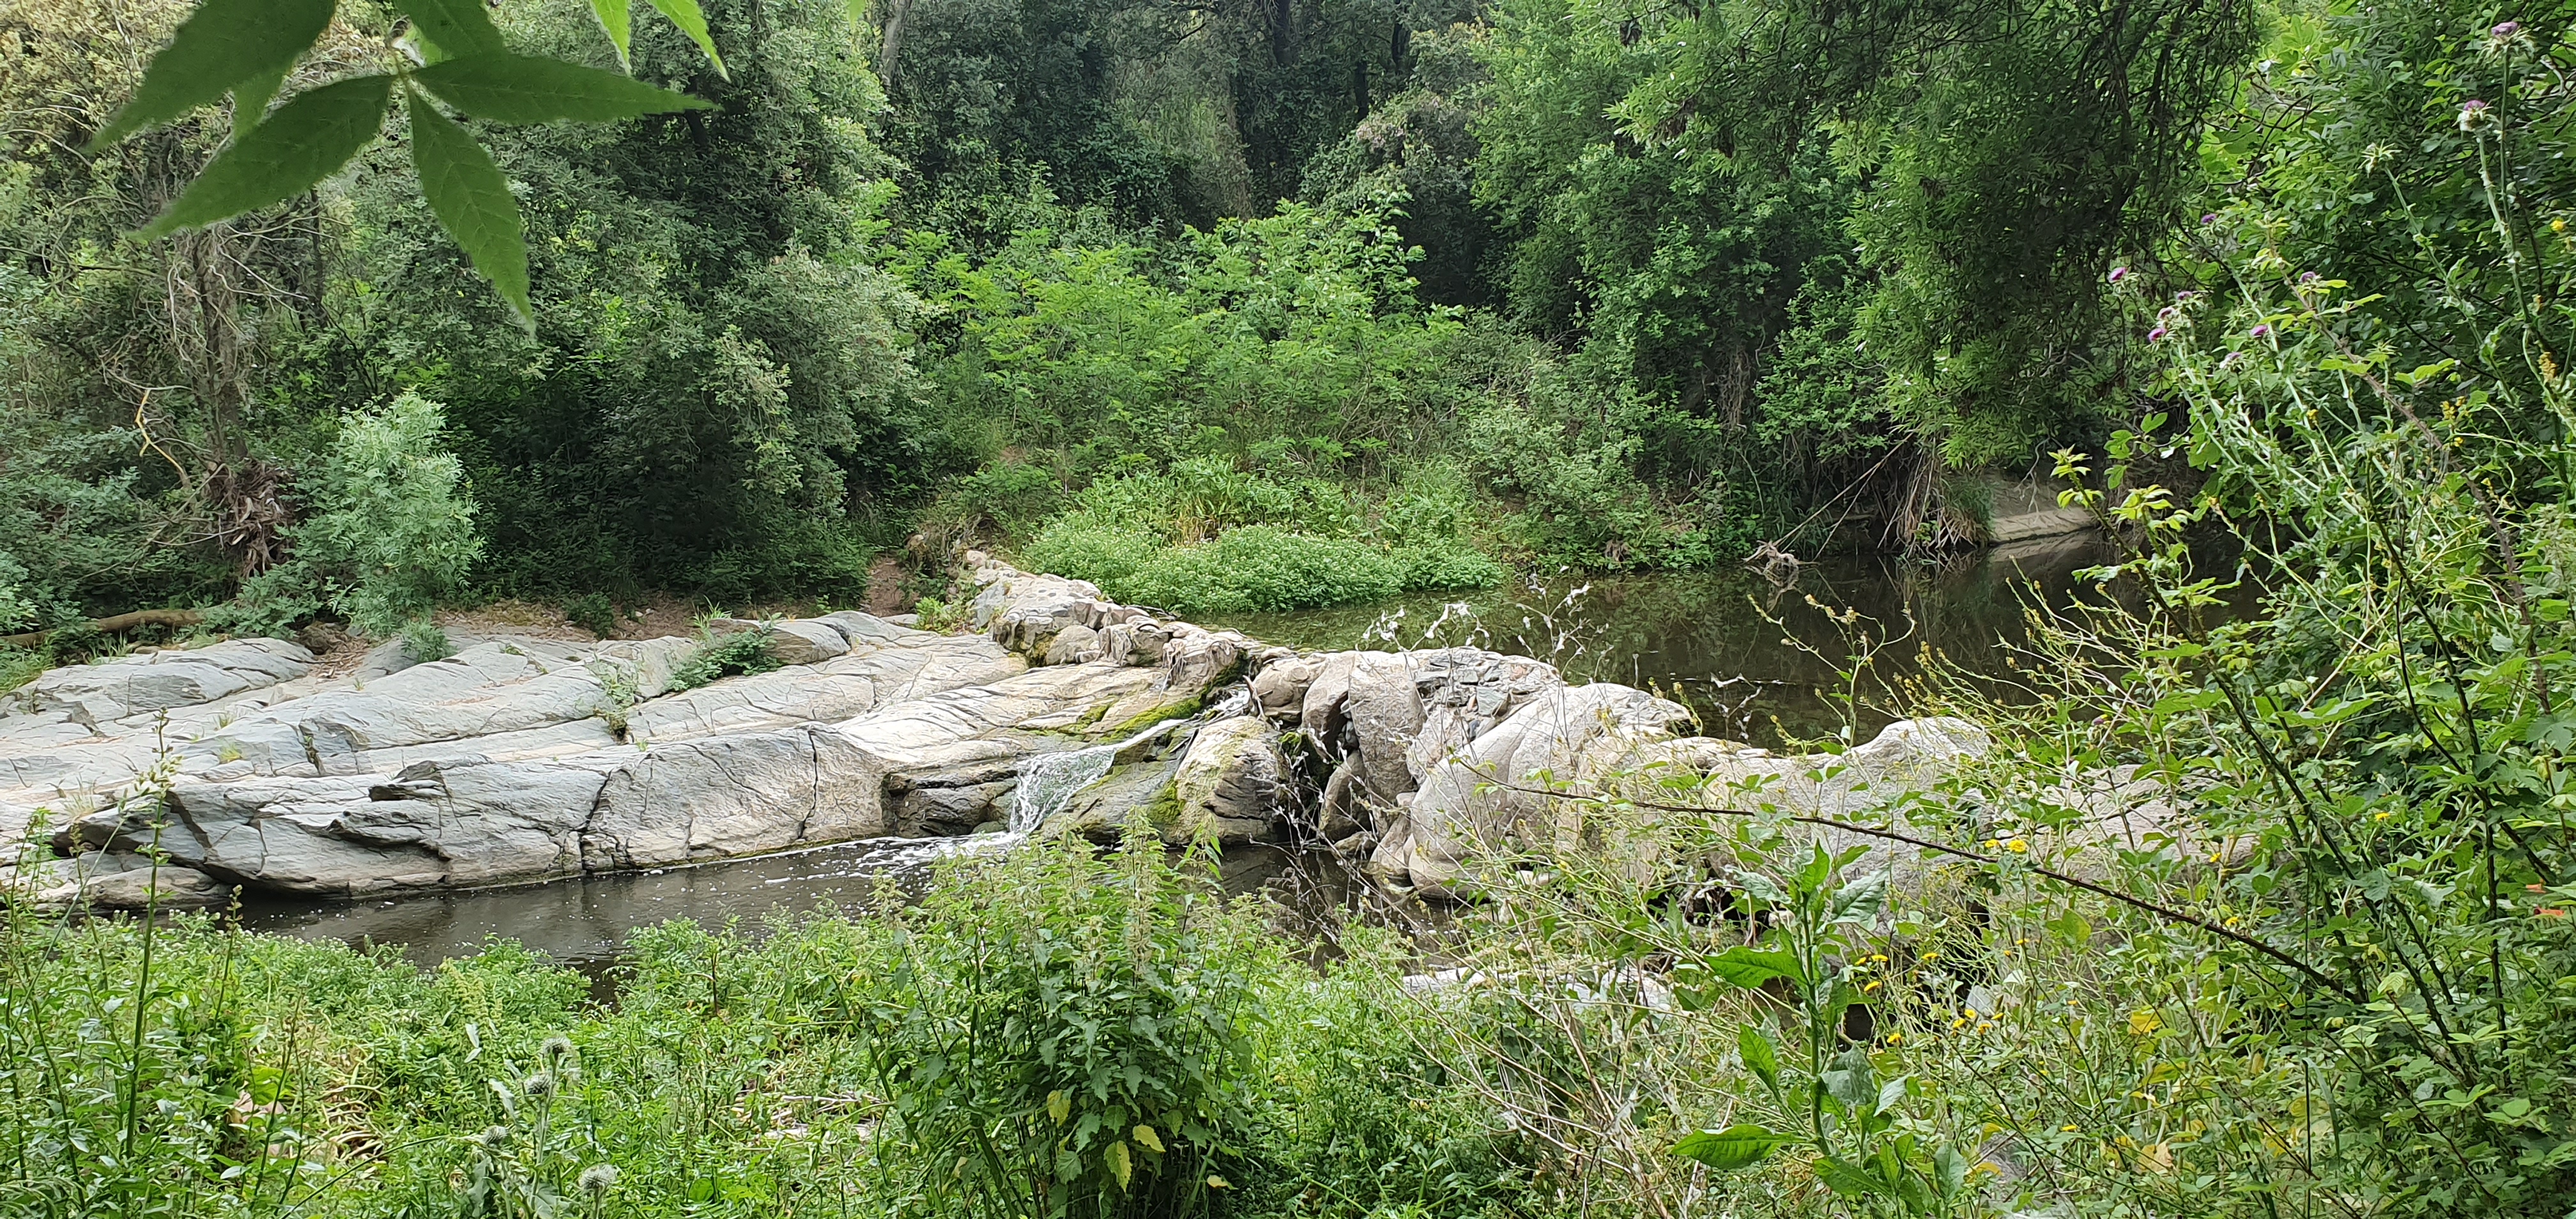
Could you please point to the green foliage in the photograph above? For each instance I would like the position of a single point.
(1209, 538)
(391, 529)
(718, 397)
(247, 49)
(1088, 1047)
(730, 655)
(424, 642)
(1029, 1016)
(593, 612)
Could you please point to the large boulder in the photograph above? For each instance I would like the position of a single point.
(99, 880)
(1492, 795)
(1232, 782)
(735, 795)
(1384, 720)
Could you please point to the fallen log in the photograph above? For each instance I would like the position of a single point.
(113, 624)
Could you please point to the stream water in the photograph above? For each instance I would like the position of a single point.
(1756, 660)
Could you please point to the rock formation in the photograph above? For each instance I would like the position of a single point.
(521, 760)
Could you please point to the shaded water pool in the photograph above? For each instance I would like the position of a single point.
(1718, 641)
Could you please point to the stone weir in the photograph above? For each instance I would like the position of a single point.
(521, 760)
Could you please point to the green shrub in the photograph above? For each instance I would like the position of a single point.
(593, 612)
(734, 655)
(390, 531)
(18, 666)
(424, 642)
(1262, 569)
(1074, 1031)
(1003, 497)
(1085, 548)
(1441, 567)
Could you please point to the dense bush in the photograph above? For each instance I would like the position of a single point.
(389, 522)
(1052, 1034)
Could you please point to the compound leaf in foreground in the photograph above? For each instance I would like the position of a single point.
(617, 20)
(685, 14)
(222, 44)
(305, 141)
(526, 89)
(471, 200)
(459, 27)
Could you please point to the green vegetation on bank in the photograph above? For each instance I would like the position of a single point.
(2293, 274)
(1558, 269)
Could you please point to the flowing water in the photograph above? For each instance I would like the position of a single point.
(1757, 661)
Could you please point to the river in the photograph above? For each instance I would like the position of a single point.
(1756, 660)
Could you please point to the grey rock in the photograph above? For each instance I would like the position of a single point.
(1280, 687)
(1075, 644)
(736, 795)
(155, 681)
(1231, 783)
(806, 641)
(1490, 797)
(103, 881)
(1139, 795)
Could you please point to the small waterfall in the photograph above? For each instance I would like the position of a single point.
(1048, 783)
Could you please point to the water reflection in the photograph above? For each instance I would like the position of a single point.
(1714, 640)
(583, 922)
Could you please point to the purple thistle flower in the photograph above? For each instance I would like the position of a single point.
(2209, 217)
(2307, 277)
(2506, 29)
(2156, 334)
(2471, 111)
(2166, 314)
(2118, 274)
(2185, 297)
(2262, 331)
(2229, 360)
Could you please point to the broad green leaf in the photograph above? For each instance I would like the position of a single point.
(305, 141)
(1059, 1106)
(459, 27)
(1759, 1057)
(1890, 1095)
(527, 89)
(471, 200)
(1858, 902)
(1751, 967)
(1147, 1137)
(685, 14)
(1853, 1083)
(1952, 1170)
(222, 44)
(251, 98)
(1739, 1146)
(1120, 1166)
(618, 22)
(1848, 1179)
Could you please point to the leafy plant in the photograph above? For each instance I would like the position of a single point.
(593, 612)
(424, 642)
(392, 528)
(1072, 1040)
(1829, 1097)
(731, 655)
(248, 48)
